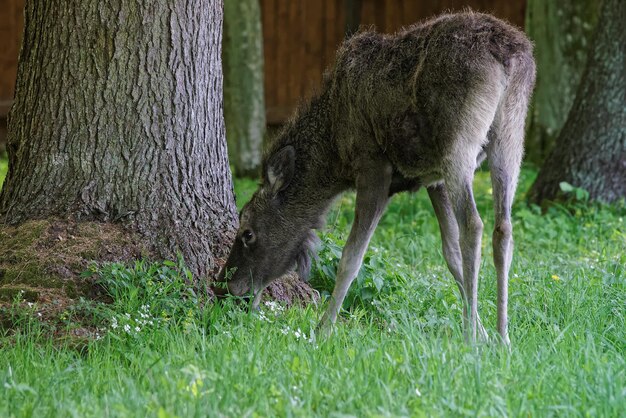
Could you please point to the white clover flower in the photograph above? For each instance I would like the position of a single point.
(299, 334)
(262, 317)
(295, 401)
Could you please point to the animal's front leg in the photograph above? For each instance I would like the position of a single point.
(371, 199)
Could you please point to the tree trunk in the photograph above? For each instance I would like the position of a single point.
(244, 102)
(561, 31)
(590, 152)
(118, 119)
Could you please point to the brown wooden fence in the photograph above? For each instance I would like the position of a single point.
(300, 39)
(11, 24)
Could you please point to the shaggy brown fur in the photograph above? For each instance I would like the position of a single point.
(396, 112)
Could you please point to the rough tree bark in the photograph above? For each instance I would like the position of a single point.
(561, 31)
(244, 101)
(118, 119)
(590, 152)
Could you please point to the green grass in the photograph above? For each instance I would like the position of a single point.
(398, 349)
(4, 166)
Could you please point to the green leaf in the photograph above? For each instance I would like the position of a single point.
(566, 187)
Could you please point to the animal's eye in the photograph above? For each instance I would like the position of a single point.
(247, 237)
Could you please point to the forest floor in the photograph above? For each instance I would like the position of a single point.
(157, 348)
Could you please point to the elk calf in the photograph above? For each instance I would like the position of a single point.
(422, 107)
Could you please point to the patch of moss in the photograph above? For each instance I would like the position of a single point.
(28, 274)
(51, 254)
(9, 293)
(16, 243)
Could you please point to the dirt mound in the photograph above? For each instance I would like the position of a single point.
(290, 289)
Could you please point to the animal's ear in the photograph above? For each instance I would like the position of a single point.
(280, 169)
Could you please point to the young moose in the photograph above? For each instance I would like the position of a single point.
(422, 107)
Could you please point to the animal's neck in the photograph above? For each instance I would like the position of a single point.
(319, 166)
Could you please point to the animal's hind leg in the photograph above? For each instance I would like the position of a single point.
(503, 191)
(471, 126)
(505, 155)
(450, 245)
(459, 185)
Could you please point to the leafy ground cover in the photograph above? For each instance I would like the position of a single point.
(160, 349)
(4, 166)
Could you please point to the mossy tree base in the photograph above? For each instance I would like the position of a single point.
(44, 259)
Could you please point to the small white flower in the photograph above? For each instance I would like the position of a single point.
(39, 314)
(30, 304)
(127, 315)
(299, 334)
(127, 328)
(417, 392)
(274, 307)
(137, 329)
(262, 317)
(295, 401)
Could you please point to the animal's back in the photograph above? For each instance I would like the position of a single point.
(406, 94)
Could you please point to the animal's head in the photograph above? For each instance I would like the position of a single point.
(274, 233)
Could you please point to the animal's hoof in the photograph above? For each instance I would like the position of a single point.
(324, 330)
(481, 333)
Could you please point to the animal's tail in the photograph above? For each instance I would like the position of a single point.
(504, 151)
